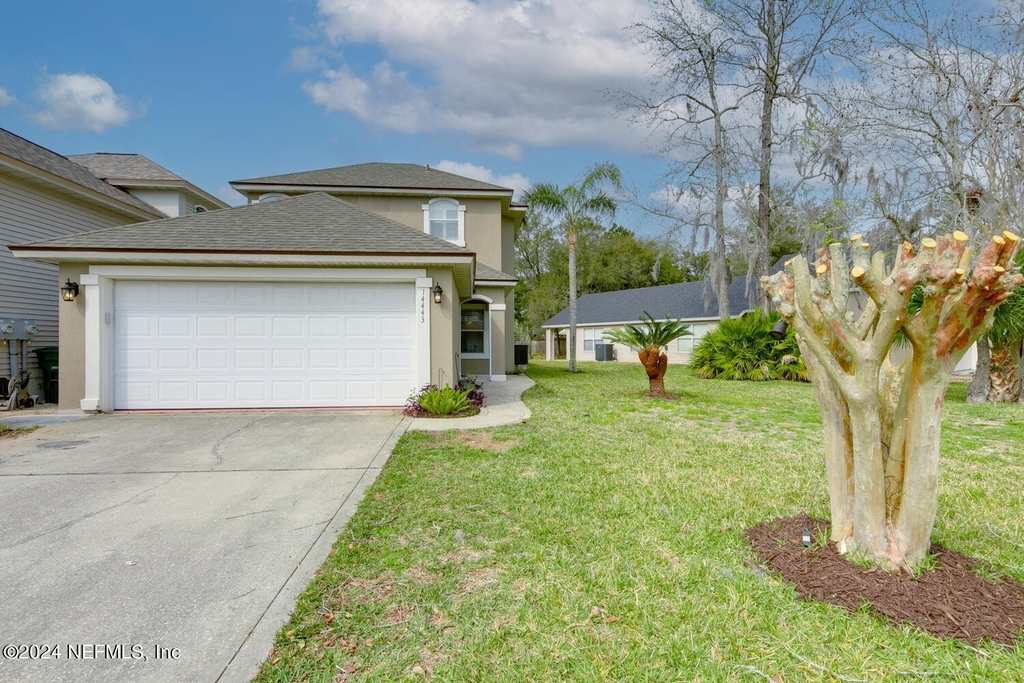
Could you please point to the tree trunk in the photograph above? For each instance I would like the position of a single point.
(656, 364)
(572, 301)
(768, 95)
(1004, 373)
(883, 423)
(977, 392)
(838, 450)
(914, 519)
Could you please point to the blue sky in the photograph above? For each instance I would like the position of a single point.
(220, 91)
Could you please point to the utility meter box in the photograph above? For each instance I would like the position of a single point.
(17, 328)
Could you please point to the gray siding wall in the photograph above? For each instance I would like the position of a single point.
(29, 213)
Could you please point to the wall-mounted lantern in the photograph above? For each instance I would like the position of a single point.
(69, 291)
(437, 293)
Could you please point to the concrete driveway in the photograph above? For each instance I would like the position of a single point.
(160, 547)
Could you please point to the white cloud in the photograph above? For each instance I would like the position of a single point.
(229, 195)
(515, 181)
(306, 58)
(81, 102)
(507, 73)
(6, 99)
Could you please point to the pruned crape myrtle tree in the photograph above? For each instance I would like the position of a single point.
(882, 420)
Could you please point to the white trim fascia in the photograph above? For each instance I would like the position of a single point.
(356, 189)
(494, 283)
(424, 304)
(478, 297)
(497, 307)
(227, 257)
(74, 188)
(263, 274)
(634, 322)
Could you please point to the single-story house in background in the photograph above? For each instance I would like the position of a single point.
(44, 195)
(596, 313)
(343, 287)
(684, 301)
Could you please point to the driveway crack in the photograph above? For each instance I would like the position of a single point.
(216, 451)
(90, 514)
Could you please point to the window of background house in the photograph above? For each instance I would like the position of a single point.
(687, 343)
(198, 209)
(474, 331)
(590, 335)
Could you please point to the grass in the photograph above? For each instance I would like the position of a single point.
(602, 540)
(6, 431)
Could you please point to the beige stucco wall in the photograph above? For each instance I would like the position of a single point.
(444, 320)
(71, 363)
(483, 222)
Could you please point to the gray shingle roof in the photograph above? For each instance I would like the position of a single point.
(30, 153)
(683, 301)
(487, 273)
(379, 175)
(310, 223)
(123, 167)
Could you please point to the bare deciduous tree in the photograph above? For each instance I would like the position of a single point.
(883, 421)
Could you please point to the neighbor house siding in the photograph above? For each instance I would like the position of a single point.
(29, 213)
(623, 354)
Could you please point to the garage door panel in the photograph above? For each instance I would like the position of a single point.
(250, 326)
(215, 326)
(213, 345)
(286, 327)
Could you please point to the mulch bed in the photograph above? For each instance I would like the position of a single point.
(951, 601)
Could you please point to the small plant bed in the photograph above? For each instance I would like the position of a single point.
(951, 599)
(464, 400)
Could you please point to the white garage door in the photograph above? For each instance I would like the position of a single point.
(255, 345)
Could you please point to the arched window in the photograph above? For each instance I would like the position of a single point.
(198, 209)
(271, 197)
(445, 218)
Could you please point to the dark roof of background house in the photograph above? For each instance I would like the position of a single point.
(123, 166)
(487, 273)
(30, 153)
(683, 301)
(379, 175)
(308, 223)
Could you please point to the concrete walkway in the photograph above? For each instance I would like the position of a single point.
(503, 405)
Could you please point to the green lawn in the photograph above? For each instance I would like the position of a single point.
(602, 540)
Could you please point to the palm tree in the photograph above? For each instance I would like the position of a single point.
(573, 204)
(650, 338)
(1005, 340)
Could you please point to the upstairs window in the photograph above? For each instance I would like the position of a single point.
(445, 218)
(198, 209)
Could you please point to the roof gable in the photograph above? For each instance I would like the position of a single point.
(308, 224)
(106, 165)
(34, 155)
(377, 176)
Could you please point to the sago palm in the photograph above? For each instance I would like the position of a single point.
(650, 338)
(572, 204)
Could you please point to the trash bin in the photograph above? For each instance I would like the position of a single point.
(521, 354)
(47, 357)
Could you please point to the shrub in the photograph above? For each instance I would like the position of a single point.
(431, 401)
(741, 349)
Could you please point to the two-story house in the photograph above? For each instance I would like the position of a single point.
(44, 195)
(343, 287)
